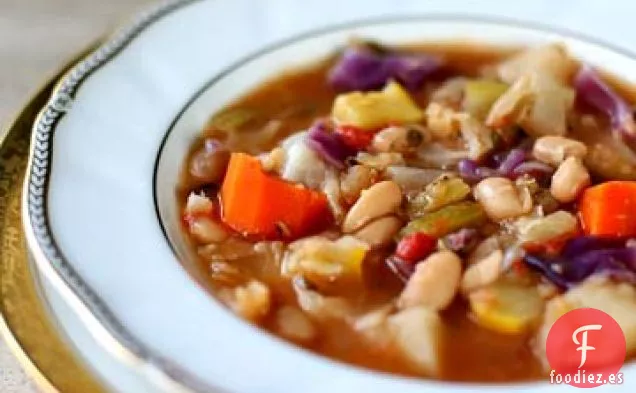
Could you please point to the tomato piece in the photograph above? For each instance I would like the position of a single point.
(415, 247)
(354, 137)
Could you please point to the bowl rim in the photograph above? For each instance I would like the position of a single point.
(41, 240)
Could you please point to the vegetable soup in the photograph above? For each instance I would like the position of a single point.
(428, 211)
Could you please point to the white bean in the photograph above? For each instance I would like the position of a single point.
(569, 180)
(376, 201)
(205, 230)
(380, 232)
(434, 282)
(501, 199)
(483, 272)
(554, 150)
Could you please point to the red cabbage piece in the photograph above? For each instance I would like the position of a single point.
(470, 171)
(360, 69)
(461, 240)
(583, 244)
(328, 145)
(514, 158)
(535, 169)
(583, 258)
(591, 89)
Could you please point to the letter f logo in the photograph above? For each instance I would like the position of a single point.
(583, 344)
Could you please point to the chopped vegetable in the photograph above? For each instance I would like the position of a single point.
(448, 219)
(374, 110)
(320, 307)
(536, 232)
(479, 95)
(300, 163)
(513, 159)
(591, 89)
(401, 268)
(323, 261)
(412, 179)
(415, 247)
(232, 119)
(360, 69)
(470, 171)
(537, 102)
(379, 161)
(479, 139)
(617, 263)
(356, 179)
(535, 169)
(550, 59)
(442, 121)
(443, 191)
(462, 240)
(355, 138)
(506, 307)
(328, 145)
(255, 203)
(609, 209)
(417, 331)
(617, 300)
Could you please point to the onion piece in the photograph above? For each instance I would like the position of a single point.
(596, 93)
(328, 145)
(363, 70)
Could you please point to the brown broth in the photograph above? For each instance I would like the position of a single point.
(469, 352)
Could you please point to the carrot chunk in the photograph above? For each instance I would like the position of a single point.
(609, 209)
(255, 203)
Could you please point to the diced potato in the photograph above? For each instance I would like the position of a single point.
(374, 110)
(323, 261)
(506, 307)
(536, 231)
(417, 333)
(616, 299)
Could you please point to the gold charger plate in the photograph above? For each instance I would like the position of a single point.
(25, 325)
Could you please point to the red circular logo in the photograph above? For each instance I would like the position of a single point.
(586, 348)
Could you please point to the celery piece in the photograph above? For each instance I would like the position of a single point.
(448, 219)
(443, 191)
